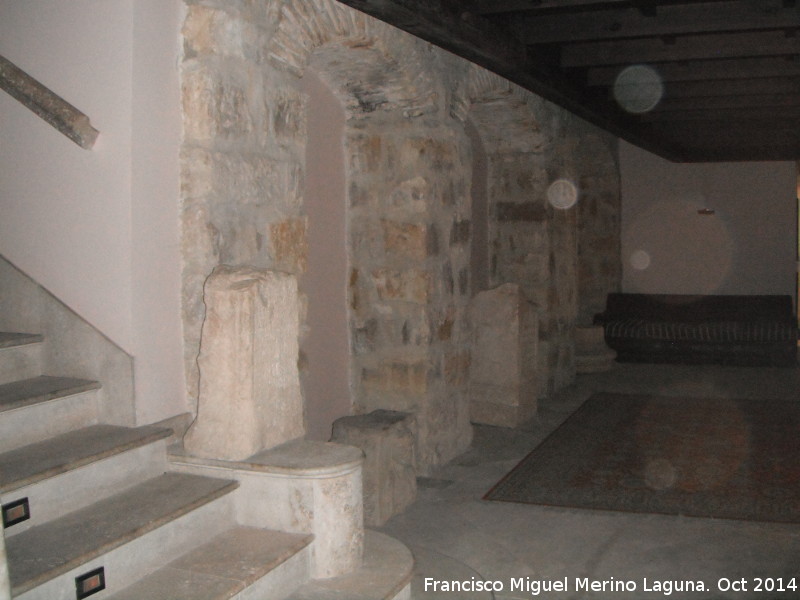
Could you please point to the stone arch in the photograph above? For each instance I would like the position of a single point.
(306, 27)
(521, 136)
(408, 286)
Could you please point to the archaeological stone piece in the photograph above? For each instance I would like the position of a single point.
(389, 474)
(504, 357)
(249, 396)
(592, 355)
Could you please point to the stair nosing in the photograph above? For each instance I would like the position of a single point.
(78, 386)
(19, 340)
(147, 435)
(295, 545)
(223, 487)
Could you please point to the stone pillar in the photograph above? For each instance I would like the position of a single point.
(5, 585)
(390, 478)
(505, 335)
(249, 396)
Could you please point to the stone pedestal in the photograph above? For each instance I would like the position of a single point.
(300, 487)
(389, 475)
(592, 355)
(249, 397)
(504, 357)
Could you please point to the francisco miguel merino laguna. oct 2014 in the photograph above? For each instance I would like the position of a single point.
(538, 586)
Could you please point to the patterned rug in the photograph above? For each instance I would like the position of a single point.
(702, 457)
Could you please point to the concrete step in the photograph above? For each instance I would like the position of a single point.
(12, 340)
(20, 356)
(78, 468)
(243, 562)
(130, 534)
(42, 407)
(385, 575)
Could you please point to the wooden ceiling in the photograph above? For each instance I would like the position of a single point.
(710, 80)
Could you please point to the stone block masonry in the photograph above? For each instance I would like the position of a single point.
(410, 221)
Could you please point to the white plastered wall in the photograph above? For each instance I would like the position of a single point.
(747, 246)
(99, 228)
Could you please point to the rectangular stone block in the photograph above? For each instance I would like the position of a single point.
(249, 397)
(411, 286)
(405, 239)
(503, 389)
(389, 474)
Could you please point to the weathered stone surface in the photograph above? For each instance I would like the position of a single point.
(408, 240)
(311, 486)
(216, 106)
(504, 355)
(412, 285)
(410, 378)
(389, 475)
(410, 221)
(249, 384)
(290, 245)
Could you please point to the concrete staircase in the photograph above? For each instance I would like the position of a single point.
(93, 506)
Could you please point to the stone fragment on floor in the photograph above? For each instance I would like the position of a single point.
(387, 439)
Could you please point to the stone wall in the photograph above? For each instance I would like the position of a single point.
(408, 160)
(599, 224)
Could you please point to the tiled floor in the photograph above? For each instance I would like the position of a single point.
(456, 535)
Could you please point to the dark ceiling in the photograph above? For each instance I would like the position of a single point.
(728, 70)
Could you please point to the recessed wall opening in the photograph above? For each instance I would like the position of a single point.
(325, 348)
(479, 244)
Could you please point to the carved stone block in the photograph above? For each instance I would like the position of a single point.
(389, 474)
(250, 396)
(503, 388)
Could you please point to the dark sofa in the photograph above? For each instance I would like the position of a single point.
(714, 329)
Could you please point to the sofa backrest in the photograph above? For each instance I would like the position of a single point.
(688, 308)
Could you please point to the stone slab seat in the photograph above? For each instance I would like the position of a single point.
(269, 565)
(385, 575)
(40, 555)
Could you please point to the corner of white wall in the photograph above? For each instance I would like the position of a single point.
(155, 274)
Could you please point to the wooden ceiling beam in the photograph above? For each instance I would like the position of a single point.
(692, 47)
(677, 19)
(731, 115)
(731, 68)
(745, 132)
(734, 87)
(770, 152)
(495, 7)
(765, 103)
